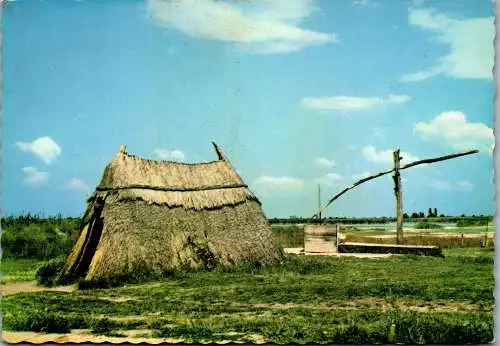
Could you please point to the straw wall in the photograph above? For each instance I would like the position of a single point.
(141, 236)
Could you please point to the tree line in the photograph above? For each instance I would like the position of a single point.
(432, 214)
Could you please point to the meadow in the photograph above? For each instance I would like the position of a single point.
(303, 299)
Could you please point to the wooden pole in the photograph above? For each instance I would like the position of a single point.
(397, 192)
(319, 203)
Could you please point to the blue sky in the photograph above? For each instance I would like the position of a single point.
(296, 92)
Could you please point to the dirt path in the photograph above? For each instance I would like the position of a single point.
(382, 304)
(31, 286)
(77, 337)
(84, 336)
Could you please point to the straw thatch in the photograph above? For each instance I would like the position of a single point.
(157, 216)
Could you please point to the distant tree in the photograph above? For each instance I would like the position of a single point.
(435, 212)
(406, 216)
(414, 215)
(421, 214)
(429, 212)
(441, 215)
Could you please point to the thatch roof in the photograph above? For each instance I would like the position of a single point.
(161, 215)
(197, 186)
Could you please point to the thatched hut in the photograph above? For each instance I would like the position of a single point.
(155, 216)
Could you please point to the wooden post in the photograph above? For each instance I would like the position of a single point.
(397, 192)
(462, 240)
(319, 203)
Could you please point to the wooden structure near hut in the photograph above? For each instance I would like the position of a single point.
(154, 216)
(321, 239)
(397, 185)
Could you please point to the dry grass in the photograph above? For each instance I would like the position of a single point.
(128, 170)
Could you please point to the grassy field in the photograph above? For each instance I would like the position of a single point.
(19, 269)
(305, 299)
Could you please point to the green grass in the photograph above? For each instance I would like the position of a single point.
(424, 224)
(471, 222)
(303, 300)
(37, 238)
(19, 269)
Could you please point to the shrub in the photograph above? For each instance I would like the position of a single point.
(34, 237)
(424, 224)
(47, 273)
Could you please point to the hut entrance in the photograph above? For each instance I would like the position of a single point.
(94, 230)
(321, 238)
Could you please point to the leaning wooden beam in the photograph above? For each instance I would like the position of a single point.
(437, 159)
(414, 163)
(350, 187)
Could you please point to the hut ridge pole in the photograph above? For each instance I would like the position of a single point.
(397, 192)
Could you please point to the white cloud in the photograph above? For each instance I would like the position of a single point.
(32, 177)
(323, 162)
(421, 75)
(77, 184)
(385, 156)
(166, 154)
(360, 2)
(331, 179)
(44, 148)
(279, 183)
(259, 26)
(455, 131)
(470, 41)
(440, 185)
(351, 103)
